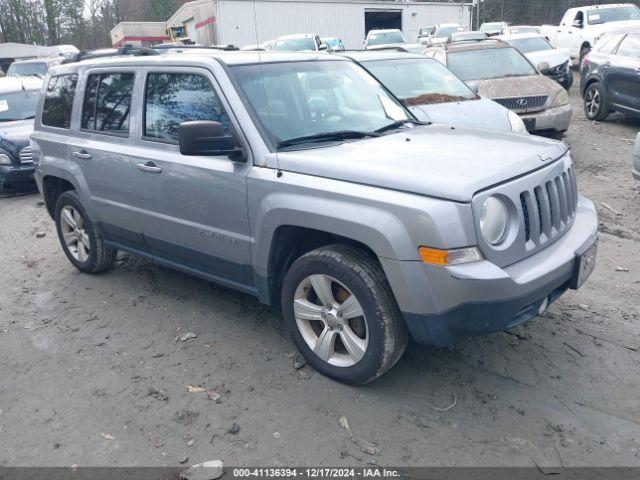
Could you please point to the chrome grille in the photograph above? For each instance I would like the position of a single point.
(26, 157)
(549, 209)
(523, 104)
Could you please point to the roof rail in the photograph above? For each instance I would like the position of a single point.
(171, 46)
(110, 52)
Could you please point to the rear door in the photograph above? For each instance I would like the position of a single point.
(101, 151)
(195, 207)
(623, 76)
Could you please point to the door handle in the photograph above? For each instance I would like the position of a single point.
(83, 155)
(149, 167)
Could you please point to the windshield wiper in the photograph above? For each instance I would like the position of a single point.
(327, 137)
(401, 123)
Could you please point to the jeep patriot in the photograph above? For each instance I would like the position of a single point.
(298, 178)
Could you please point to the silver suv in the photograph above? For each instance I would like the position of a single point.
(299, 179)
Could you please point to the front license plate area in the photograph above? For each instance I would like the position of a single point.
(530, 123)
(584, 266)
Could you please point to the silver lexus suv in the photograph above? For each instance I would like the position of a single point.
(301, 180)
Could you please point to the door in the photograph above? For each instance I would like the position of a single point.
(568, 35)
(102, 152)
(195, 207)
(623, 77)
(382, 20)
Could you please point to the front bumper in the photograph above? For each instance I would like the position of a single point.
(556, 119)
(441, 305)
(17, 180)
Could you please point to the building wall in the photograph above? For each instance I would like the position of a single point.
(139, 34)
(244, 22)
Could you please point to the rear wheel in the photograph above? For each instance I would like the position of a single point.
(342, 315)
(84, 248)
(595, 104)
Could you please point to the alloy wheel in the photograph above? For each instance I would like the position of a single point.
(592, 101)
(73, 232)
(331, 320)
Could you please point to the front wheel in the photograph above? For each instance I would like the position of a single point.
(84, 248)
(342, 315)
(595, 105)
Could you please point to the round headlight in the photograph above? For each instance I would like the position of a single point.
(494, 220)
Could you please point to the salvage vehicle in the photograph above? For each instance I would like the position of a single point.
(610, 76)
(518, 29)
(424, 33)
(556, 61)
(582, 27)
(336, 44)
(443, 31)
(303, 42)
(492, 29)
(384, 38)
(33, 67)
(506, 76)
(434, 94)
(18, 102)
(298, 178)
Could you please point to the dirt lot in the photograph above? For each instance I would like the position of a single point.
(92, 371)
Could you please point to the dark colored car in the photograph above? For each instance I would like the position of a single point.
(611, 75)
(18, 103)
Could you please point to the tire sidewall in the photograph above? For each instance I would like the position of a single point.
(372, 361)
(597, 86)
(70, 198)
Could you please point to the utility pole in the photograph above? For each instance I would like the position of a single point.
(477, 14)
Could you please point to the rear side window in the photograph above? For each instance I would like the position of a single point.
(58, 101)
(107, 102)
(173, 98)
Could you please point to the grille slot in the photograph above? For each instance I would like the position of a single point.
(548, 209)
(523, 104)
(26, 157)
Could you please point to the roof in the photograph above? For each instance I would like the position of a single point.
(297, 35)
(40, 60)
(464, 46)
(610, 5)
(377, 55)
(446, 25)
(15, 84)
(385, 30)
(518, 36)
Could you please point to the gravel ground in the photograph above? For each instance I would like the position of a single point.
(94, 372)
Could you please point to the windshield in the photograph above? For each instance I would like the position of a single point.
(613, 14)
(419, 81)
(18, 105)
(295, 44)
(385, 38)
(27, 69)
(489, 63)
(492, 27)
(527, 45)
(297, 99)
(446, 32)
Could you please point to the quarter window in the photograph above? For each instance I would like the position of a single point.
(58, 101)
(107, 102)
(173, 98)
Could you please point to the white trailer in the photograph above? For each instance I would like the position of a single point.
(246, 22)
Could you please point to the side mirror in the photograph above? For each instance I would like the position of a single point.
(577, 24)
(544, 66)
(473, 86)
(207, 138)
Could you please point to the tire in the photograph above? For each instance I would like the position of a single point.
(595, 102)
(86, 249)
(342, 273)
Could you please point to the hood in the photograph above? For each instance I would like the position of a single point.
(554, 57)
(15, 135)
(530, 85)
(482, 113)
(436, 160)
